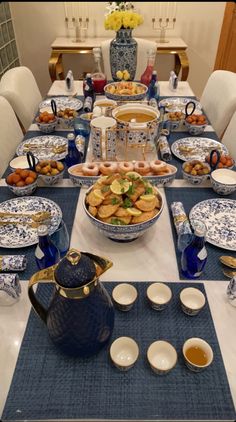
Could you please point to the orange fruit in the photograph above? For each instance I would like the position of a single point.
(32, 174)
(20, 183)
(9, 179)
(24, 174)
(223, 160)
(16, 178)
(220, 165)
(29, 180)
(17, 171)
(229, 162)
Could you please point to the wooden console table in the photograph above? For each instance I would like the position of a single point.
(60, 46)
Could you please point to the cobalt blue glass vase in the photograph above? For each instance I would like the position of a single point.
(80, 316)
(123, 53)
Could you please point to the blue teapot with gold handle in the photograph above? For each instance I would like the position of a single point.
(80, 316)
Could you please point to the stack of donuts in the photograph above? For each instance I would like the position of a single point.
(144, 168)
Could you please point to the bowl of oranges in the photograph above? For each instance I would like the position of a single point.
(196, 124)
(46, 121)
(22, 182)
(219, 160)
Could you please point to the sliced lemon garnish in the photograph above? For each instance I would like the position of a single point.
(98, 194)
(148, 197)
(134, 211)
(101, 179)
(133, 175)
(120, 186)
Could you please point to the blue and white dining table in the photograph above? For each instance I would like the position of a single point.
(150, 258)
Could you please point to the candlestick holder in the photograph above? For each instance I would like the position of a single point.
(79, 27)
(163, 25)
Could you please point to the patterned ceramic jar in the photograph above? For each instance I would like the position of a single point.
(123, 53)
(103, 136)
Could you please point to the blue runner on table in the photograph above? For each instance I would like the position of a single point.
(47, 385)
(190, 197)
(66, 198)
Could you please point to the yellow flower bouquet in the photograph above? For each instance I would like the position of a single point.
(121, 15)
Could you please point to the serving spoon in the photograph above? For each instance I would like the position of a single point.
(38, 217)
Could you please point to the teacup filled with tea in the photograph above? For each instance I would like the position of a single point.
(198, 354)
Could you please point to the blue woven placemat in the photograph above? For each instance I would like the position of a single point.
(66, 198)
(189, 197)
(48, 385)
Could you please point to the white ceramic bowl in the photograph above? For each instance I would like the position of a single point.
(124, 295)
(21, 162)
(47, 127)
(162, 357)
(122, 233)
(120, 97)
(195, 179)
(196, 342)
(124, 352)
(223, 181)
(192, 301)
(23, 190)
(159, 295)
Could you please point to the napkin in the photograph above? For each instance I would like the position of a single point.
(13, 262)
(182, 225)
(164, 149)
(10, 284)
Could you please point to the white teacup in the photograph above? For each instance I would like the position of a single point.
(106, 106)
(124, 352)
(162, 356)
(103, 132)
(198, 354)
(124, 295)
(192, 301)
(159, 295)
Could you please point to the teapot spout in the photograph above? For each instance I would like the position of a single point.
(101, 264)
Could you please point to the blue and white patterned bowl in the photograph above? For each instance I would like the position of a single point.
(223, 181)
(119, 97)
(51, 180)
(195, 179)
(123, 233)
(196, 342)
(47, 127)
(195, 129)
(23, 190)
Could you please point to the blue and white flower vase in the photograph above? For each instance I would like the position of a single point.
(231, 291)
(123, 53)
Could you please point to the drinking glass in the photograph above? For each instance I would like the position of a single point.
(61, 239)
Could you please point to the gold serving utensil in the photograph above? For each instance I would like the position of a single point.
(31, 224)
(229, 273)
(229, 261)
(39, 217)
(55, 149)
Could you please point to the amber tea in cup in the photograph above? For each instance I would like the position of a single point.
(196, 355)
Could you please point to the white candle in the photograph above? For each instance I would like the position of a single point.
(175, 10)
(160, 11)
(167, 9)
(65, 7)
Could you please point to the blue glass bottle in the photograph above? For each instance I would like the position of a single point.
(151, 93)
(194, 256)
(89, 93)
(74, 156)
(46, 253)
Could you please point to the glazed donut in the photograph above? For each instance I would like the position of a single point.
(142, 167)
(126, 166)
(157, 166)
(90, 169)
(107, 168)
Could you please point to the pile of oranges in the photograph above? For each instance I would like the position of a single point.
(197, 119)
(225, 161)
(21, 178)
(45, 117)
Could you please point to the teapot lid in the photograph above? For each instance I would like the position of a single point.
(75, 269)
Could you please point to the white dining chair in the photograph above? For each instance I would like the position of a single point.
(229, 137)
(219, 99)
(20, 88)
(11, 134)
(143, 47)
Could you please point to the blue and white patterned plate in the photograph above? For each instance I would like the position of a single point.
(195, 148)
(62, 103)
(219, 215)
(43, 147)
(21, 235)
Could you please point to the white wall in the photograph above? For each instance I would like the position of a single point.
(37, 24)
